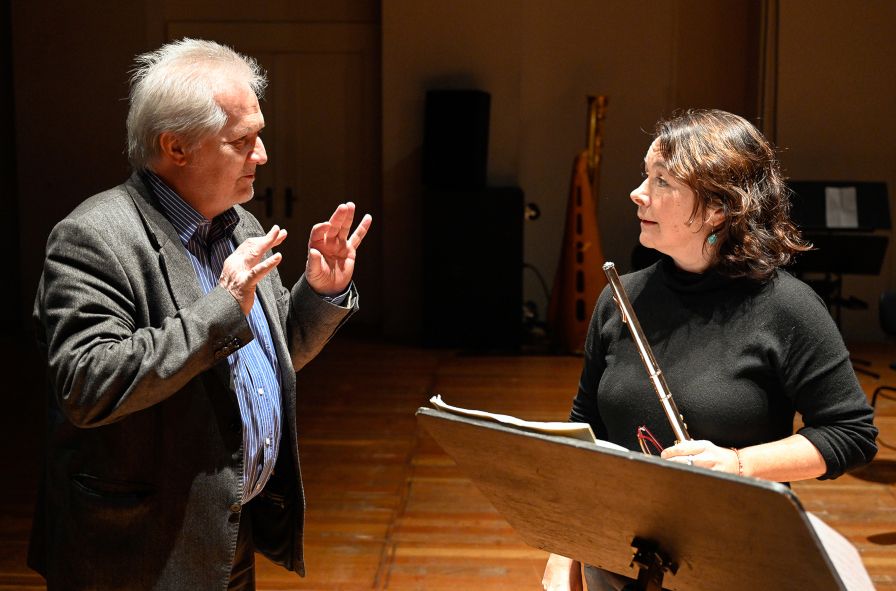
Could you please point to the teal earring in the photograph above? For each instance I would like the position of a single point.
(712, 238)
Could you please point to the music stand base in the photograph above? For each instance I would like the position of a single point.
(652, 565)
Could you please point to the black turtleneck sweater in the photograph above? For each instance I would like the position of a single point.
(740, 360)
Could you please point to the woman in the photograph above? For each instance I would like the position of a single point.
(743, 344)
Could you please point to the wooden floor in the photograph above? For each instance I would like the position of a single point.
(387, 509)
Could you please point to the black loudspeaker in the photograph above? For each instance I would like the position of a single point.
(455, 139)
(473, 268)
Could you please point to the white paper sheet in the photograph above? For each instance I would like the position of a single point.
(841, 210)
(843, 555)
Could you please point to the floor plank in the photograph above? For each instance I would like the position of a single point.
(387, 509)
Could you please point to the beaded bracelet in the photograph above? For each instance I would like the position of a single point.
(740, 465)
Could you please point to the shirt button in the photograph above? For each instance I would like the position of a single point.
(267, 442)
(261, 391)
(235, 508)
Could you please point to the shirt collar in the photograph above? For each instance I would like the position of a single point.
(186, 220)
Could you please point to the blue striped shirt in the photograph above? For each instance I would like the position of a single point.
(254, 370)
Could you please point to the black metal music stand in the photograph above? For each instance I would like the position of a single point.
(690, 528)
(855, 250)
(839, 251)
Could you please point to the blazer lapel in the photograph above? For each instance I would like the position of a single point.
(185, 288)
(173, 258)
(174, 261)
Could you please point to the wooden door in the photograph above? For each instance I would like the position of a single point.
(321, 113)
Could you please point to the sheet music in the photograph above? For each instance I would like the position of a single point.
(841, 210)
(844, 556)
(580, 431)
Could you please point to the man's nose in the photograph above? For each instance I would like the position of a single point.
(259, 154)
(639, 195)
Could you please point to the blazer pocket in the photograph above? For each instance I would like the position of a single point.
(122, 490)
(113, 502)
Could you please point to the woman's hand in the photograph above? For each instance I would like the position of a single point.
(705, 454)
(562, 574)
(785, 460)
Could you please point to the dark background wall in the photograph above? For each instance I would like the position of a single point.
(70, 62)
(11, 320)
(830, 91)
(836, 98)
(809, 73)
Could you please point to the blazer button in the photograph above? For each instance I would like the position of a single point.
(235, 508)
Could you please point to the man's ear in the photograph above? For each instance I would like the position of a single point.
(172, 148)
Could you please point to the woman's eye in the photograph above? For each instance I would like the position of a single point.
(661, 181)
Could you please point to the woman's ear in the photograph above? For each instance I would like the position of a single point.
(715, 215)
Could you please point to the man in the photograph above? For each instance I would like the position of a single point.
(172, 347)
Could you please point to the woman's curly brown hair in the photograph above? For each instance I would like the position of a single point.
(728, 163)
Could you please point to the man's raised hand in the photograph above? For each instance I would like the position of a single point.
(245, 267)
(331, 251)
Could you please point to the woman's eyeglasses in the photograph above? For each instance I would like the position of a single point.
(646, 440)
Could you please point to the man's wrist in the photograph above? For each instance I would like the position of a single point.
(337, 300)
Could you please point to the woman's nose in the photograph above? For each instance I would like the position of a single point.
(639, 195)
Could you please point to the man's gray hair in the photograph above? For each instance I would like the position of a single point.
(173, 89)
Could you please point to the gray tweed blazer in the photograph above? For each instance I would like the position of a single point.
(142, 483)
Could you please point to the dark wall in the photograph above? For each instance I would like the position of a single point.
(67, 62)
(10, 301)
(70, 62)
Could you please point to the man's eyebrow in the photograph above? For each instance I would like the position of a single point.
(246, 130)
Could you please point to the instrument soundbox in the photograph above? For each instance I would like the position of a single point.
(579, 278)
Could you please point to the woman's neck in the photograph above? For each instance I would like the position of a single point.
(693, 264)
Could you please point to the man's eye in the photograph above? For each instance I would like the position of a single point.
(661, 181)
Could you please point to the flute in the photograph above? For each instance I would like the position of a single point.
(653, 369)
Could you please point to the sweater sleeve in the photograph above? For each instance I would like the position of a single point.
(584, 406)
(817, 374)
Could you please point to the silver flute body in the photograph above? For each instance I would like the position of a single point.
(653, 369)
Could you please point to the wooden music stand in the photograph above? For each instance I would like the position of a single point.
(701, 529)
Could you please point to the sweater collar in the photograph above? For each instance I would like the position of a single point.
(686, 282)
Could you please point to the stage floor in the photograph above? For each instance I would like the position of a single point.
(387, 509)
